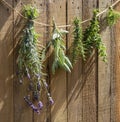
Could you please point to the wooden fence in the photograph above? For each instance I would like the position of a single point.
(89, 94)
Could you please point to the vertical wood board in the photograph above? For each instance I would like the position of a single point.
(74, 84)
(89, 70)
(58, 81)
(117, 69)
(104, 73)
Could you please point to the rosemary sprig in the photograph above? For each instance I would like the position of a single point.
(112, 16)
(92, 38)
(77, 46)
(60, 59)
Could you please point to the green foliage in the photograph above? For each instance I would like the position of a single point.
(60, 59)
(77, 47)
(92, 38)
(30, 57)
(30, 12)
(112, 17)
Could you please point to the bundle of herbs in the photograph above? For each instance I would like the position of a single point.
(60, 59)
(112, 16)
(92, 39)
(77, 46)
(30, 61)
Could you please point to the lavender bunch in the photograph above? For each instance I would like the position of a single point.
(30, 59)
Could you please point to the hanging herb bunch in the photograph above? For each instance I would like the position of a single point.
(92, 39)
(77, 46)
(30, 61)
(112, 16)
(60, 59)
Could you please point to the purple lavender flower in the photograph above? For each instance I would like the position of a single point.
(38, 75)
(36, 95)
(27, 101)
(35, 108)
(31, 87)
(28, 75)
(31, 105)
(46, 85)
(38, 86)
(40, 105)
(51, 100)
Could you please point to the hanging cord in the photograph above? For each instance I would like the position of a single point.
(39, 23)
(62, 26)
(115, 3)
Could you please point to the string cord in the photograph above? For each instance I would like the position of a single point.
(62, 26)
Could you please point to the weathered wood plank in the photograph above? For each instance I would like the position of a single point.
(117, 69)
(75, 77)
(104, 73)
(58, 81)
(6, 63)
(89, 73)
(75, 94)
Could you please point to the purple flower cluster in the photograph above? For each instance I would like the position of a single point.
(46, 85)
(38, 86)
(40, 105)
(34, 108)
(51, 100)
(36, 96)
(38, 76)
(28, 75)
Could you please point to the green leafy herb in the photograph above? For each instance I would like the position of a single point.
(60, 59)
(92, 38)
(77, 47)
(30, 12)
(30, 58)
(112, 16)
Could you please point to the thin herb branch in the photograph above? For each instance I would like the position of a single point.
(77, 46)
(112, 16)
(60, 59)
(92, 39)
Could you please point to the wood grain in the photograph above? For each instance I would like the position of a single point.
(89, 93)
(117, 69)
(6, 63)
(74, 85)
(104, 71)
